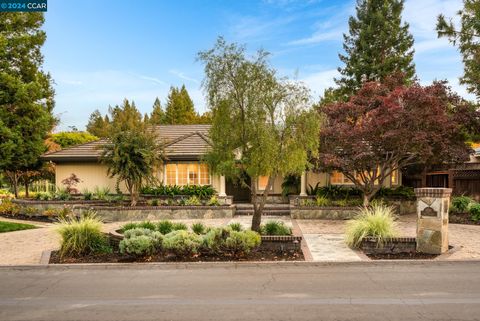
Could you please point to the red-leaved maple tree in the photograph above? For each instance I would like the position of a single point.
(385, 127)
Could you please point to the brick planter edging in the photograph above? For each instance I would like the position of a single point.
(391, 245)
(160, 207)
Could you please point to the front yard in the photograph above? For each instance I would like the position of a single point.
(11, 226)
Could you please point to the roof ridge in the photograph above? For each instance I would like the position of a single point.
(178, 139)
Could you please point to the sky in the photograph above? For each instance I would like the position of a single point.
(100, 52)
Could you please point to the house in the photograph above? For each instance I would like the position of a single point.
(184, 147)
(464, 179)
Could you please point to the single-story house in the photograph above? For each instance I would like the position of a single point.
(464, 179)
(184, 147)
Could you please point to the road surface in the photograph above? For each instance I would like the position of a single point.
(360, 291)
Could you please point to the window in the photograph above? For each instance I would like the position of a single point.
(187, 174)
(337, 177)
(262, 182)
(394, 178)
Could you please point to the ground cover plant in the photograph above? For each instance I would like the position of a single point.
(377, 220)
(11, 226)
(464, 210)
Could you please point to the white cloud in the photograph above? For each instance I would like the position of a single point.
(182, 75)
(319, 81)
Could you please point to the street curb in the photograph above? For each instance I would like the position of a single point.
(235, 265)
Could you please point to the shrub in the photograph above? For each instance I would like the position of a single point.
(193, 201)
(322, 201)
(338, 192)
(474, 211)
(179, 226)
(340, 203)
(214, 238)
(460, 204)
(139, 245)
(242, 242)
(153, 202)
(44, 196)
(29, 211)
(374, 221)
(236, 226)
(129, 226)
(101, 193)
(182, 242)
(148, 225)
(275, 228)
(62, 194)
(199, 228)
(200, 191)
(9, 208)
(87, 195)
(5, 194)
(213, 201)
(82, 236)
(137, 231)
(308, 202)
(165, 227)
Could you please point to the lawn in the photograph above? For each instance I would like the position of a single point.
(10, 227)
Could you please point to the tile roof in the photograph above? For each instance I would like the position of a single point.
(181, 142)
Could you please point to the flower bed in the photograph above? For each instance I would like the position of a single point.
(167, 241)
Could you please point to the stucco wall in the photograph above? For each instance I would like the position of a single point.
(91, 175)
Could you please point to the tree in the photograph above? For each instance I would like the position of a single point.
(26, 94)
(132, 156)
(261, 125)
(180, 109)
(386, 127)
(157, 117)
(377, 46)
(466, 37)
(125, 117)
(98, 125)
(68, 139)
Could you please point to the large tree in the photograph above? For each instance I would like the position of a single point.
(385, 127)
(180, 109)
(378, 45)
(98, 125)
(26, 94)
(467, 37)
(157, 116)
(68, 139)
(262, 125)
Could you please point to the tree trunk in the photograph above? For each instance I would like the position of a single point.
(26, 189)
(258, 206)
(366, 199)
(13, 177)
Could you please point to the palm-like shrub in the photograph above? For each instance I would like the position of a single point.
(376, 221)
(81, 236)
(236, 226)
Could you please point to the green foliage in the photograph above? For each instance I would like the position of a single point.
(404, 192)
(322, 201)
(213, 201)
(128, 226)
(276, 228)
(200, 191)
(180, 109)
(461, 204)
(474, 211)
(466, 38)
(313, 190)
(182, 242)
(132, 157)
(44, 196)
(165, 227)
(140, 242)
(147, 225)
(101, 193)
(214, 238)
(157, 116)
(98, 125)
(81, 236)
(9, 208)
(179, 226)
(62, 194)
(10, 227)
(153, 202)
(374, 221)
(261, 125)
(193, 201)
(199, 228)
(87, 195)
(378, 45)
(291, 185)
(236, 226)
(68, 139)
(26, 99)
(338, 192)
(242, 242)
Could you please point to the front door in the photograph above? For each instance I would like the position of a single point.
(241, 194)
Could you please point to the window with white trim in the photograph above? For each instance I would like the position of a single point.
(187, 173)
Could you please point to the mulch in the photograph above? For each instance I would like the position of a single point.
(260, 254)
(461, 218)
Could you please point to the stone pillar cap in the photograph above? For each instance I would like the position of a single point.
(433, 192)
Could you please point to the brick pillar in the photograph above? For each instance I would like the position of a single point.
(432, 219)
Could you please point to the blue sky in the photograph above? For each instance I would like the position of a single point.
(100, 52)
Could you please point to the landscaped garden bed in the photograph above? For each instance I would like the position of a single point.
(167, 241)
(12, 226)
(464, 210)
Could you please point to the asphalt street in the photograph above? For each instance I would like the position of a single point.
(358, 291)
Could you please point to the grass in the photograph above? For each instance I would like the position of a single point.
(10, 227)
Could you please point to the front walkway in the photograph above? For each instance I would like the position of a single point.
(323, 237)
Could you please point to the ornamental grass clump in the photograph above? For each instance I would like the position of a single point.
(82, 236)
(275, 228)
(376, 221)
(199, 228)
